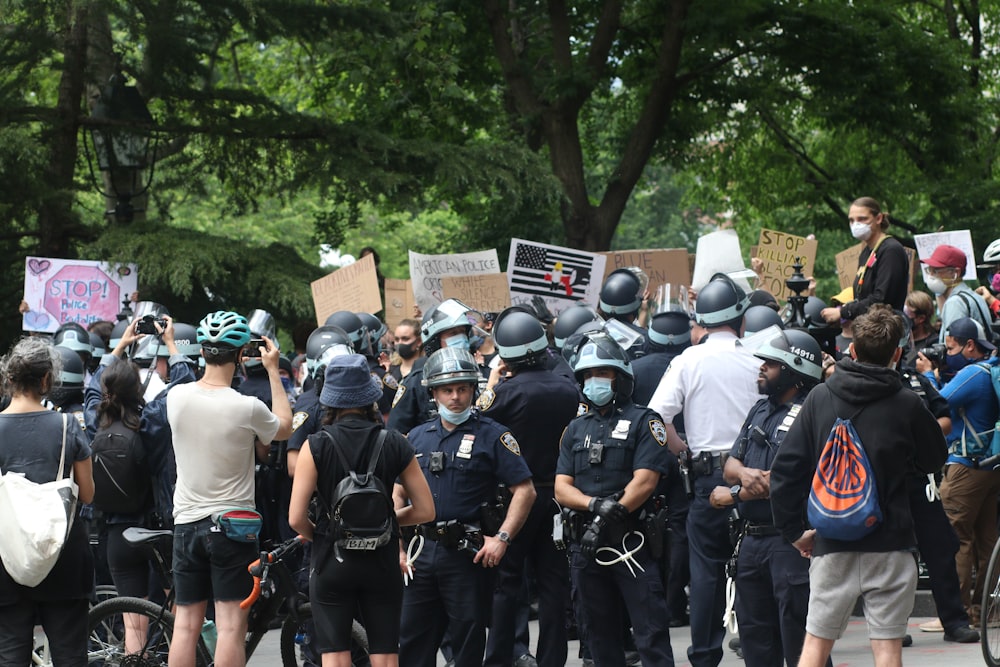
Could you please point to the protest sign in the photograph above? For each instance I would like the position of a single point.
(353, 288)
(426, 272)
(779, 251)
(399, 302)
(559, 276)
(487, 293)
(719, 252)
(73, 290)
(663, 266)
(961, 239)
(847, 264)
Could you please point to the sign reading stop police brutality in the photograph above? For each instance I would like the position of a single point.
(72, 290)
(779, 251)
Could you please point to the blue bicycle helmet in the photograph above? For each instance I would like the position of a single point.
(224, 327)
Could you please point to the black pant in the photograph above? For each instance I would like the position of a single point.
(65, 625)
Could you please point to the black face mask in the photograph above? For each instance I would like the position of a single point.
(406, 350)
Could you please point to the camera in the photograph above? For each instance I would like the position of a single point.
(147, 325)
(935, 353)
(253, 348)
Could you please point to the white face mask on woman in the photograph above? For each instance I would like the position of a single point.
(935, 284)
(861, 231)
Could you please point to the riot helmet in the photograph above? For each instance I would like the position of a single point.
(812, 309)
(721, 303)
(143, 308)
(599, 350)
(148, 349)
(186, 340)
(376, 329)
(449, 314)
(670, 329)
(799, 355)
(574, 339)
(758, 318)
(448, 366)
(68, 385)
(621, 293)
(74, 337)
(520, 339)
(261, 323)
(570, 319)
(354, 327)
(320, 342)
(121, 326)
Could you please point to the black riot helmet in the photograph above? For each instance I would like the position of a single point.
(812, 309)
(186, 340)
(376, 329)
(354, 327)
(68, 387)
(670, 329)
(73, 336)
(573, 341)
(799, 355)
(599, 350)
(117, 332)
(621, 294)
(721, 303)
(571, 319)
(520, 339)
(758, 318)
(323, 344)
(449, 314)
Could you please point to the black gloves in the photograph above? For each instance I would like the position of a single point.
(592, 538)
(608, 509)
(542, 311)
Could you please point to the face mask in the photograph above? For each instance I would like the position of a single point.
(956, 362)
(287, 384)
(935, 284)
(454, 417)
(598, 391)
(475, 342)
(406, 350)
(995, 282)
(461, 341)
(860, 230)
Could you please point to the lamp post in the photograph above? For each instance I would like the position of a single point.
(120, 133)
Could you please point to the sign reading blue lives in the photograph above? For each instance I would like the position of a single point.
(554, 273)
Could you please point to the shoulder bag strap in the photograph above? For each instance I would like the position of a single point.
(62, 454)
(377, 451)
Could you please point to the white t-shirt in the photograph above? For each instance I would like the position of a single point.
(214, 432)
(715, 385)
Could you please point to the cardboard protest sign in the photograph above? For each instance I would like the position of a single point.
(663, 266)
(719, 252)
(560, 276)
(399, 302)
(961, 239)
(353, 288)
(847, 264)
(73, 290)
(487, 293)
(779, 251)
(426, 272)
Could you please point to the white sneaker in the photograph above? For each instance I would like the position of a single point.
(933, 625)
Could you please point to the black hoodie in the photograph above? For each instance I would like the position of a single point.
(899, 435)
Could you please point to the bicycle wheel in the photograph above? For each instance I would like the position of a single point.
(296, 648)
(107, 634)
(989, 622)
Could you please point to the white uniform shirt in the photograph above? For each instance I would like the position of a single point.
(715, 385)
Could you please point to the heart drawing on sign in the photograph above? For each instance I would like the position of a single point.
(36, 321)
(39, 266)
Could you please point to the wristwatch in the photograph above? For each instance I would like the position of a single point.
(503, 536)
(734, 491)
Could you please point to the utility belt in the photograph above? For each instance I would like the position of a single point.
(651, 521)
(704, 464)
(453, 534)
(760, 530)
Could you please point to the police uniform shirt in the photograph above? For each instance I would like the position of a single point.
(629, 438)
(258, 385)
(306, 417)
(774, 422)
(711, 383)
(648, 370)
(411, 405)
(475, 456)
(536, 405)
(387, 382)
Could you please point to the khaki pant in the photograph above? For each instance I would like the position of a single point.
(969, 497)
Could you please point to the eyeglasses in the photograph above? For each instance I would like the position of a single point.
(939, 271)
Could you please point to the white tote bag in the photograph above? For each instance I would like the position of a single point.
(34, 521)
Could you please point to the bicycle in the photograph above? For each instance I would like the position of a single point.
(989, 620)
(275, 597)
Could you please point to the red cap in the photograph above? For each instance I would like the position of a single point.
(946, 255)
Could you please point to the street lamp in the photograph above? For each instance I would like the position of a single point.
(120, 134)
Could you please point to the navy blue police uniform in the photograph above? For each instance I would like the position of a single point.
(307, 414)
(772, 578)
(449, 591)
(536, 405)
(412, 404)
(601, 452)
(387, 381)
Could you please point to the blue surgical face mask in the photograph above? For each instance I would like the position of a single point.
(454, 417)
(598, 390)
(461, 341)
(288, 385)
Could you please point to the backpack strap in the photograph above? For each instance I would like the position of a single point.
(376, 453)
(984, 318)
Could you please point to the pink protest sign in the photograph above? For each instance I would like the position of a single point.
(69, 290)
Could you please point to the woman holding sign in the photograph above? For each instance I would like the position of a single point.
(883, 268)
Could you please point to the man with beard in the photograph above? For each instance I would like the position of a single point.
(772, 579)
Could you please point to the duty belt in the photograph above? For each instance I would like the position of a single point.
(704, 464)
(761, 530)
(453, 534)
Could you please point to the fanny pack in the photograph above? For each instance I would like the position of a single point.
(240, 524)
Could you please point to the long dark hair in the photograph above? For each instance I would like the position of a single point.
(330, 415)
(121, 395)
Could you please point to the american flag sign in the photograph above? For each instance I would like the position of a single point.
(554, 272)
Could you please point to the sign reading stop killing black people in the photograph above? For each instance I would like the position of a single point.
(779, 252)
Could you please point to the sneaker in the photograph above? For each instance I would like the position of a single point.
(933, 625)
(962, 635)
(526, 660)
(907, 640)
(734, 643)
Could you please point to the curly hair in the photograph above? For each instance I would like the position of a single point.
(25, 368)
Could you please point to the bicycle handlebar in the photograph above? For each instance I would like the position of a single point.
(259, 566)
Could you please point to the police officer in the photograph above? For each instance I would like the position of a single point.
(621, 298)
(464, 456)
(758, 318)
(714, 384)
(448, 324)
(772, 578)
(67, 395)
(610, 460)
(536, 405)
(669, 334)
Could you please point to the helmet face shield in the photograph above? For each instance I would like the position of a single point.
(449, 365)
(600, 350)
(261, 323)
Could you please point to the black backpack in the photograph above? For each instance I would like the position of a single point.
(362, 514)
(122, 480)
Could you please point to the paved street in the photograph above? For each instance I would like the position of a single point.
(928, 650)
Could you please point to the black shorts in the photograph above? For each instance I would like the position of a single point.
(130, 566)
(209, 565)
